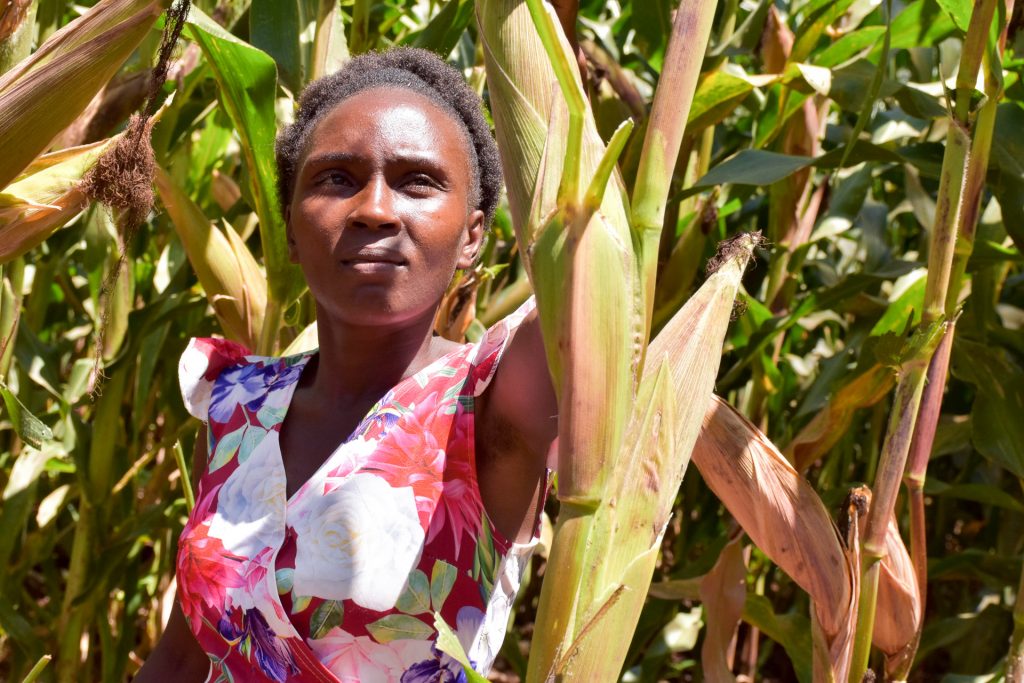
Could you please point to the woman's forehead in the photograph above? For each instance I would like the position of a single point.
(388, 121)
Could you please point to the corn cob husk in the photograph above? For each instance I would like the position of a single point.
(593, 344)
(41, 96)
(629, 523)
(44, 198)
(230, 276)
(899, 611)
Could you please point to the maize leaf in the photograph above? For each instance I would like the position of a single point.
(227, 271)
(247, 80)
(723, 591)
(330, 49)
(833, 420)
(782, 514)
(40, 99)
(44, 198)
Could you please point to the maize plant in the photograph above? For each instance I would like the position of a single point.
(875, 339)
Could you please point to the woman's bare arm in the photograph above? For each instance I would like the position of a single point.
(177, 655)
(516, 423)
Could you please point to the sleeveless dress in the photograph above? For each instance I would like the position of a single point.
(341, 582)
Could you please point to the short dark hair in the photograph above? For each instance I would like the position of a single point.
(414, 69)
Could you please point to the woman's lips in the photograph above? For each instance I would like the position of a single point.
(374, 261)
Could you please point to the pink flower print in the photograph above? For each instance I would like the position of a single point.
(363, 660)
(410, 455)
(460, 511)
(219, 353)
(206, 570)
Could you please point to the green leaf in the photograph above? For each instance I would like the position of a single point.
(415, 598)
(275, 27)
(813, 27)
(998, 430)
(848, 46)
(442, 578)
(448, 643)
(979, 493)
(718, 93)
(19, 499)
(652, 21)
(442, 34)
(399, 627)
(329, 614)
(791, 631)
(959, 11)
(226, 448)
(247, 87)
(905, 310)
(754, 167)
(30, 428)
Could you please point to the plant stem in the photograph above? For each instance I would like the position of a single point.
(1015, 659)
(669, 112)
(272, 319)
(911, 384)
(37, 669)
(186, 481)
(883, 499)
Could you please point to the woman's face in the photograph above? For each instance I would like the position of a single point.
(379, 217)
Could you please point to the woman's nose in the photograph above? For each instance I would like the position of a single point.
(375, 206)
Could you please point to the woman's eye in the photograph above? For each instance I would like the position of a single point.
(422, 181)
(335, 178)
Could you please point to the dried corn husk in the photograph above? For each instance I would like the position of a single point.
(44, 198)
(41, 96)
(783, 516)
(898, 614)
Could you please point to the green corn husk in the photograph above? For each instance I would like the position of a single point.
(45, 93)
(619, 436)
(230, 276)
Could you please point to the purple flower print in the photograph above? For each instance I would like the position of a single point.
(270, 652)
(248, 385)
(439, 669)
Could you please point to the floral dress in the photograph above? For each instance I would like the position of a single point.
(341, 581)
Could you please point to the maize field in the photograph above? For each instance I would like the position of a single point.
(777, 254)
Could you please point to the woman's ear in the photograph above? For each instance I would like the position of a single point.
(293, 253)
(474, 240)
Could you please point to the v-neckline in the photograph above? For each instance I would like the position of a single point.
(291, 387)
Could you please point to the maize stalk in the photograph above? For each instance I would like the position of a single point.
(970, 209)
(909, 389)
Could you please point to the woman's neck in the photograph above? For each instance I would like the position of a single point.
(359, 361)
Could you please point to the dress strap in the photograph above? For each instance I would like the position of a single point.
(489, 350)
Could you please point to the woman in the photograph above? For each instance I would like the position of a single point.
(330, 523)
